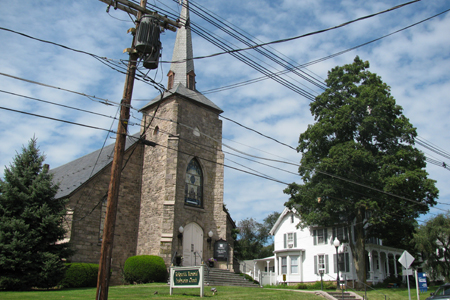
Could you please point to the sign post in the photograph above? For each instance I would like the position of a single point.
(406, 260)
(187, 277)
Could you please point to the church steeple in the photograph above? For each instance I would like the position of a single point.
(182, 67)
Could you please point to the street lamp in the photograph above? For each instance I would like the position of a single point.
(336, 244)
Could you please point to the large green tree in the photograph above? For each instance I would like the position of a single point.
(359, 166)
(433, 240)
(30, 224)
(253, 238)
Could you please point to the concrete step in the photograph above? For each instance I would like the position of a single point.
(340, 295)
(221, 277)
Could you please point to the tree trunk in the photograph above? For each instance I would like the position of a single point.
(358, 250)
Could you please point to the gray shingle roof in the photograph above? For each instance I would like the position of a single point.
(75, 173)
(185, 92)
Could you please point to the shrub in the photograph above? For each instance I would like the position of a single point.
(80, 275)
(301, 286)
(144, 269)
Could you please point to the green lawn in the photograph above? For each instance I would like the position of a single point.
(147, 291)
(397, 294)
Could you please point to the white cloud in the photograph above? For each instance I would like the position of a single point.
(414, 63)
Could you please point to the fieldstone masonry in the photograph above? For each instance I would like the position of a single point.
(184, 129)
(185, 125)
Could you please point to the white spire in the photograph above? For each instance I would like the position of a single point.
(182, 67)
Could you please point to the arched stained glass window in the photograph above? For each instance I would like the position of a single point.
(193, 192)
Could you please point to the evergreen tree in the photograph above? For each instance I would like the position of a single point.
(359, 166)
(30, 224)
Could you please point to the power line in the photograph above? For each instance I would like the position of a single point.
(310, 33)
(250, 81)
(55, 119)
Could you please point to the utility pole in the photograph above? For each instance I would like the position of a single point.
(119, 149)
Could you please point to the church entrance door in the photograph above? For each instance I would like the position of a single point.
(192, 242)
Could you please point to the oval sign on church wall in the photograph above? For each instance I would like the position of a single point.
(221, 250)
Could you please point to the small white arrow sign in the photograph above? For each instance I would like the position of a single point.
(406, 259)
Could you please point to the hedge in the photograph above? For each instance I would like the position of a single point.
(80, 275)
(145, 269)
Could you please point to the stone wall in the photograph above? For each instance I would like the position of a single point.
(86, 203)
(186, 129)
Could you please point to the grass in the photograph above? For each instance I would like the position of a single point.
(147, 291)
(396, 293)
(380, 293)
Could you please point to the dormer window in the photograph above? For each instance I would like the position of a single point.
(191, 80)
(171, 76)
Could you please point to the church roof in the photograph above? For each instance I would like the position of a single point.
(180, 89)
(75, 173)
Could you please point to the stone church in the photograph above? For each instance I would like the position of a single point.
(171, 195)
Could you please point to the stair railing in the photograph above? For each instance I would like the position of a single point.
(386, 297)
(173, 258)
(246, 265)
(368, 286)
(203, 263)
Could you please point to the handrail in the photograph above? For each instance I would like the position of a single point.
(368, 286)
(173, 257)
(365, 288)
(203, 263)
(245, 264)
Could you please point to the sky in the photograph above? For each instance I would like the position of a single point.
(413, 62)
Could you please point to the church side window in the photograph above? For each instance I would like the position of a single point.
(194, 184)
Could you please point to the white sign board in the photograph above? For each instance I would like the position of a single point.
(187, 277)
(406, 259)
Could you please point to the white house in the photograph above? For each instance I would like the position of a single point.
(301, 254)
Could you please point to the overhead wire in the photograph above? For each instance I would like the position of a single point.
(105, 101)
(2, 74)
(315, 32)
(250, 81)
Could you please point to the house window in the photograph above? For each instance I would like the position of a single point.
(294, 264)
(194, 184)
(343, 261)
(321, 263)
(290, 240)
(320, 236)
(341, 233)
(292, 218)
(284, 265)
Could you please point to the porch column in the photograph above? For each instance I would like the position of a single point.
(370, 265)
(387, 265)
(300, 265)
(380, 270)
(288, 266)
(395, 265)
(268, 272)
(275, 268)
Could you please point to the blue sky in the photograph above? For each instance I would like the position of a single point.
(414, 63)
